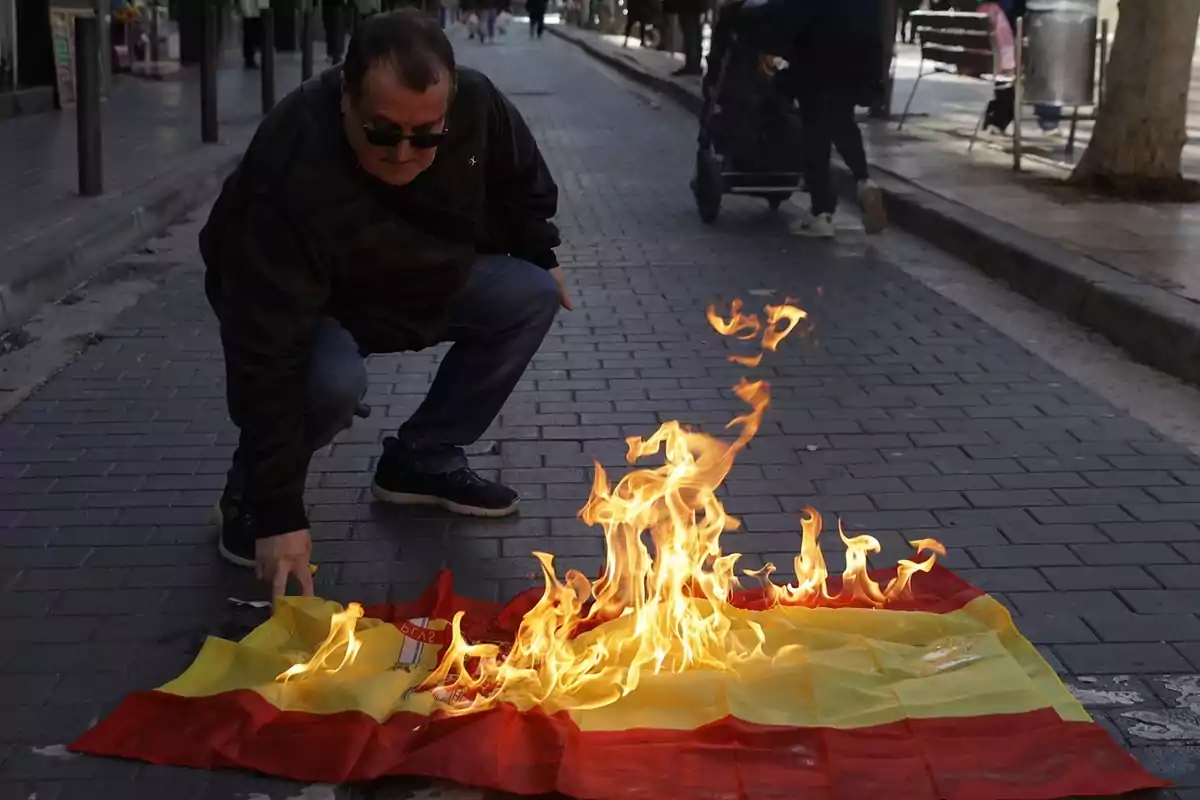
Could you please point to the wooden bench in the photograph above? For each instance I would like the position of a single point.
(958, 39)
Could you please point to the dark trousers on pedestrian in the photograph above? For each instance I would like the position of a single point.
(692, 29)
(827, 115)
(252, 34)
(333, 17)
(537, 22)
(496, 323)
(630, 21)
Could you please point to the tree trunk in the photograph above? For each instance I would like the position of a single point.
(1139, 137)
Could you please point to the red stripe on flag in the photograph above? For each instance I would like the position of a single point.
(1029, 756)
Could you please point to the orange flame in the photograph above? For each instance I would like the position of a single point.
(747, 326)
(662, 606)
(341, 636)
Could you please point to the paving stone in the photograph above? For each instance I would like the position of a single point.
(1118, 554)
(1177, 576)
(1121, 692)
(1169, 601)
(1145, 627)
(1141, 658)
(1051, 629)
(1005, 579)
(1180, 765)
(1034, 533)
(1023, 555)
(1151, 532)
(1191, 651)
(1110, 577)
(1035, 603)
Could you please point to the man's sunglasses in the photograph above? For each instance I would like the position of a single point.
(394, 137)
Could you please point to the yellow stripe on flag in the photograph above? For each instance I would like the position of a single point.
(851, 668)
(841, 668)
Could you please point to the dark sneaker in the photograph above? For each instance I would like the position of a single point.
(461, 492)
(235, 540)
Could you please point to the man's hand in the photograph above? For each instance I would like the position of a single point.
(277, 557)
(563, 295)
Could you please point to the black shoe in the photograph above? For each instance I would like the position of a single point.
(461, 492)
(235, 540)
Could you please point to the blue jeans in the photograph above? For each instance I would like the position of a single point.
(497, 323)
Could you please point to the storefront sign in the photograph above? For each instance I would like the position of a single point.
(62, 40)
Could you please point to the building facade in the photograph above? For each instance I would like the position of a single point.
(28, 72)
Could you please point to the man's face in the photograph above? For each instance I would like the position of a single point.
(391, 113)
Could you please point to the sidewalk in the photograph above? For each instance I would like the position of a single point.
(1123, 269)
(155, 169)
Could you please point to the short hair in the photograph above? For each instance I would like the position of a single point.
(409, 39)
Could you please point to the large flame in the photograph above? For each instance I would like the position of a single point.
(662, 606)
(342, 637)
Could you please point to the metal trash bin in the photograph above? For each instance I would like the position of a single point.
(1060, 56)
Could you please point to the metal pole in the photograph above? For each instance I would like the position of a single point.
(1103, 61)
(306, 40)
(888, 14)
(268, 60)
(1018, 93)
(154, 48)
(87, 109)
(209, 127)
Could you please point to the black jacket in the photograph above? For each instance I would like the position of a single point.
(300, 233)
(826, 42)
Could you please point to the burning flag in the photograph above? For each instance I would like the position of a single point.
(666, 676)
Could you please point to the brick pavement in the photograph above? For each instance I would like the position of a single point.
(903, 413)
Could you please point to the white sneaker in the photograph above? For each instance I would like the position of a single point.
(818, 227)
(870, 196)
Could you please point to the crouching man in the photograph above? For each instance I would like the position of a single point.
(390, 204)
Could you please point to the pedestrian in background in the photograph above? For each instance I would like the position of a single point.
(905, 9)
(691, 27)
(836, 65)
(488, 11)
(640, 13)
(1000, 113)
(333, 17)
(537, 17)
(252, 30)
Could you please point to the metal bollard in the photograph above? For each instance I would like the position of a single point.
(89, 143)
(153, 52)
(209, 127)
(306, 41)
(268, 60)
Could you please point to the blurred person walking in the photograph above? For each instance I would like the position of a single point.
(640, 13)
(835, 65)
(691, 27)
(252, 31)
(537, 17)
(334, 14)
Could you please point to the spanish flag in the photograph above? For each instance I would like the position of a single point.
(938, 697)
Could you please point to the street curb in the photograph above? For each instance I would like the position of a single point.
(54, 261)
(1156, 327)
